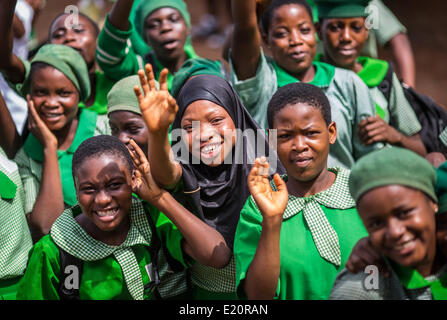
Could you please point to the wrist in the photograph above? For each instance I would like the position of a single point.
(272, 222)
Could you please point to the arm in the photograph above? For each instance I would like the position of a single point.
(18, 28)
(10, 64)
(403, 58)
(202, 242)
(159, 108)
(50, 200)
(246, 43)
(261, 281)
(10, 140)
(119, 15)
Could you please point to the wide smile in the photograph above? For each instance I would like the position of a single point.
(404, 248)
(106, 215)
(51, 116)
(302, 162)
(210, 150)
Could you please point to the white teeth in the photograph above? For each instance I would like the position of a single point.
(106, 213)
(405, 245)
(209, 148)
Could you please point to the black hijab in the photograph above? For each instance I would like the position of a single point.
(217, 194)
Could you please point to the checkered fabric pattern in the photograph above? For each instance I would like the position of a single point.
(323, 234)
(70, 236)
(215, 280)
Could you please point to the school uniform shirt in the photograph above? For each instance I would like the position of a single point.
(402, 284)
(30, 158)
(348, 95)
(118, 59)
(102, 87)
(309, 231)
(15, 237)
(109, 272)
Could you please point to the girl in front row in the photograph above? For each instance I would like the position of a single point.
(113, 234)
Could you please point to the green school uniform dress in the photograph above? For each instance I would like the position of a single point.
(30, 157)
(15, 237)
(348, 95)
(117, 58)
(309, 231)
(109, 272)
(402, 284)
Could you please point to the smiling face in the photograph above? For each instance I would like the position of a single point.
(82, 39)
(104, 191)
(210, 132)
(303, 140)
(291, 38)
(126, 125)
(343, 40)
(401, 224)
(166, 32)
(55, 97)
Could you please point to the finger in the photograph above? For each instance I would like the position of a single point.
(138, 93)
(144, 84)
(139, 152)
(173, 103)
(151, 77)
(280, 183)
(163, 80)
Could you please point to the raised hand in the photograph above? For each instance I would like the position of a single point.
(271, 203)
(157, 106)
(144, 185)
(38, 128)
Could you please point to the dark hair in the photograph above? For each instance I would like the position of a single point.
(90, 20)
(36, 66)
(98, 146)
(268, 14)
(299, 92)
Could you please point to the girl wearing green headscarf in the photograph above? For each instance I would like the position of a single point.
(164, 25)
(58, 80)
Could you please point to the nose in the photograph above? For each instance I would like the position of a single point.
(207, 133)
(124, 137)
(295, 38)
(69, 36)
(166, 26)
(51, 102)
(345, 35)
(102, 198)
(299, 144)
(395, 229)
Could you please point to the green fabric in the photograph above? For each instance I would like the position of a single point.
(85, 130)
(199, 293)
(109, 272)
(304, 274)
(411, 279)
(194, 67)
(373, 71)
(146, 7)
(68, 61)
(8, 288)
(122, 96)
(139, 45)
(7, 187)
(391, 166)
(103, 86)
(324, 74)
(441, 188)
(341, 8)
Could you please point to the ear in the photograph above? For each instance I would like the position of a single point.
(434, 206)
(332, 128)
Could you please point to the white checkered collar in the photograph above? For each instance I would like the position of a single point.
(336, 197)
(70, 236)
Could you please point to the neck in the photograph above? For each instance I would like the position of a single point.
(65, 136)
(307, 188)
(173, 65)
(305, 76)
(355, 66)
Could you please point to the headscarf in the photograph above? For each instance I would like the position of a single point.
(217, 194)
(389, 166)
(68, 61)
(342, 8)
(441, 188)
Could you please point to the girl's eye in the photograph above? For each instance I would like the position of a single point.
(305, 30)
(115, 185)
(216, 120)
(376, 224)
(65, 93)
(405, 213)
(284, 136)
(174, 18)
(88, 190)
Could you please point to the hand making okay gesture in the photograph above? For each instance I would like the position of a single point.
(158, 107)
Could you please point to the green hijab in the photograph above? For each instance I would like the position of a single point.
(441, 188)
(342, 8)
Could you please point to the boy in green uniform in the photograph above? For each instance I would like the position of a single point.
(111, 232)
(290, 34)
(294, 236)
(343, 30)
(395, 195)
(82, 38)
(58, 81)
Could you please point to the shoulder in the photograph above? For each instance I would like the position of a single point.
(46, 247)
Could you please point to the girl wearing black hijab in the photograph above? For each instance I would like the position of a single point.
(215, 143)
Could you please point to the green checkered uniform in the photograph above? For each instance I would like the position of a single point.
(109, 272)
(317, 235)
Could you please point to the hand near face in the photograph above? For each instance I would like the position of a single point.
(364, 254)
(271, 203)
(375, 129)
(38, 128)
(143, 185)
(157, 106)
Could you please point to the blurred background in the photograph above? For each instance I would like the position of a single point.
(425, 21)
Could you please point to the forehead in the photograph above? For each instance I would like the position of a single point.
(51, 76)
(202, 109)
(59, 22)
(298, 115)
(102, 167)
(291, 13)
(346, 21)
(162, 13)
(123, 117)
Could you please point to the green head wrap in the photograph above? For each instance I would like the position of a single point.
(146, 7)
(392, 166)
(441, 188)
(68, 61)
(194, 67)
(122, 96)
(342, 8)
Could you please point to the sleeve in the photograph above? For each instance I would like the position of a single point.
(388, 25)
(256, 92)
(41, 279)
(248, 233)
(364, 107)
(17, 87)
(114, 52)
(29, 180)
(102, 126)
(350, 286)
(403, 115)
